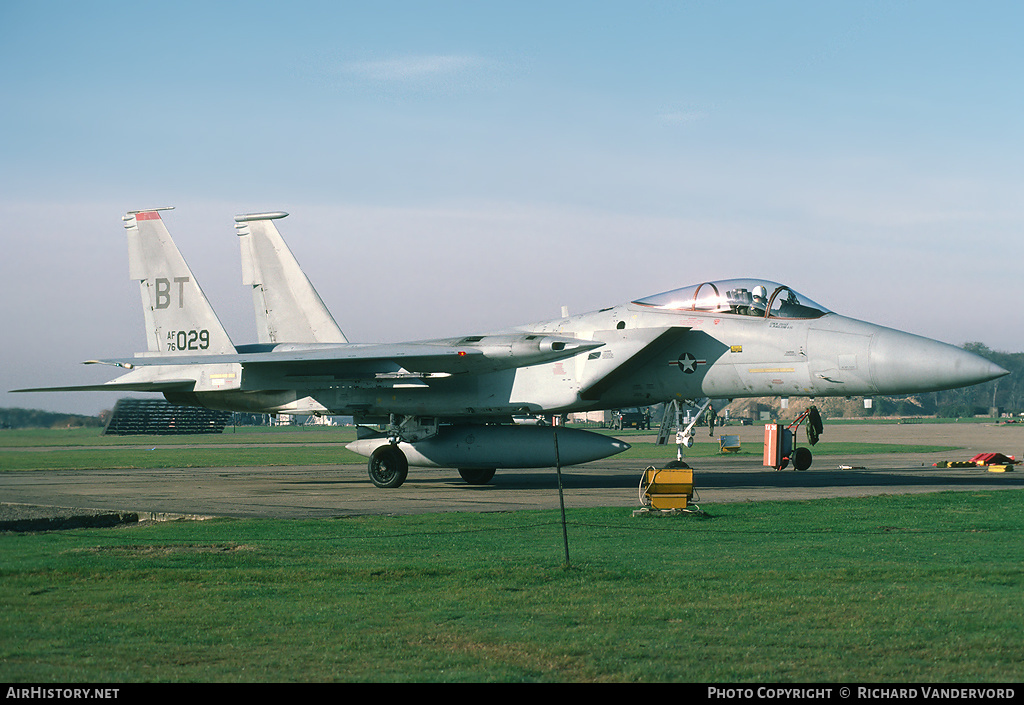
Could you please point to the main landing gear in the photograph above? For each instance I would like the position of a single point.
(388, 467)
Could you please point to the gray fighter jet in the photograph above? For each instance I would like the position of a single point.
(451, 402)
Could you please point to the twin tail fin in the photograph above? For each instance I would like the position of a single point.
(179, 319)
(288, 309)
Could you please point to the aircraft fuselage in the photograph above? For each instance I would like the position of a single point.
(451, 401)
(718, 355)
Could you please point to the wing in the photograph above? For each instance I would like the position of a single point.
(473, 355)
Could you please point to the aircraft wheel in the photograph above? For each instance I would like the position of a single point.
(476, 476)
(388, 467)
(802, 459)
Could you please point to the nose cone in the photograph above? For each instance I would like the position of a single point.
(902, 363)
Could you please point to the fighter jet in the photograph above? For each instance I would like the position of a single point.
(451, 402)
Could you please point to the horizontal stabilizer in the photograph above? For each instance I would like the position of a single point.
(167, 385)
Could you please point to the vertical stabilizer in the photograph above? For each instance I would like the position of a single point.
(179, 318)
(288, 309)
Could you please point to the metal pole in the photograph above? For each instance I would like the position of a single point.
(561, 498)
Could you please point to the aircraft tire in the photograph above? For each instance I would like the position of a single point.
(802, 459)
(476, 476)
(388, 467)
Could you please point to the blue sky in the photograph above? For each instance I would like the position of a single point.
(457, 167)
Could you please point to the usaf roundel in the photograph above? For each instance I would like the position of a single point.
(688, 363)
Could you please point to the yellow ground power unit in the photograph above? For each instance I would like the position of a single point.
(668, 488)
(729, 444)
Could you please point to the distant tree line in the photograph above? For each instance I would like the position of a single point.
(1005, 393)
(34, 418)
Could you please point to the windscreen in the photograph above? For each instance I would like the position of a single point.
(742, 297)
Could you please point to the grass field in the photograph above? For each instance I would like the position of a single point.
(890, 589)
(81, 449)
(922, 588)
(77, 437)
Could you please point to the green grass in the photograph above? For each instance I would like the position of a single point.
(83, 449)
(44, 438)
(915, 588)
(160, 457)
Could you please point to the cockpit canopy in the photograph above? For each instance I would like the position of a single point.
(744, 297)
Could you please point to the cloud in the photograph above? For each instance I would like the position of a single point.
(411, 68)
(683, 116)
(424, 73)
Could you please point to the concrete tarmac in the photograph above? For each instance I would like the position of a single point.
(344, 490)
